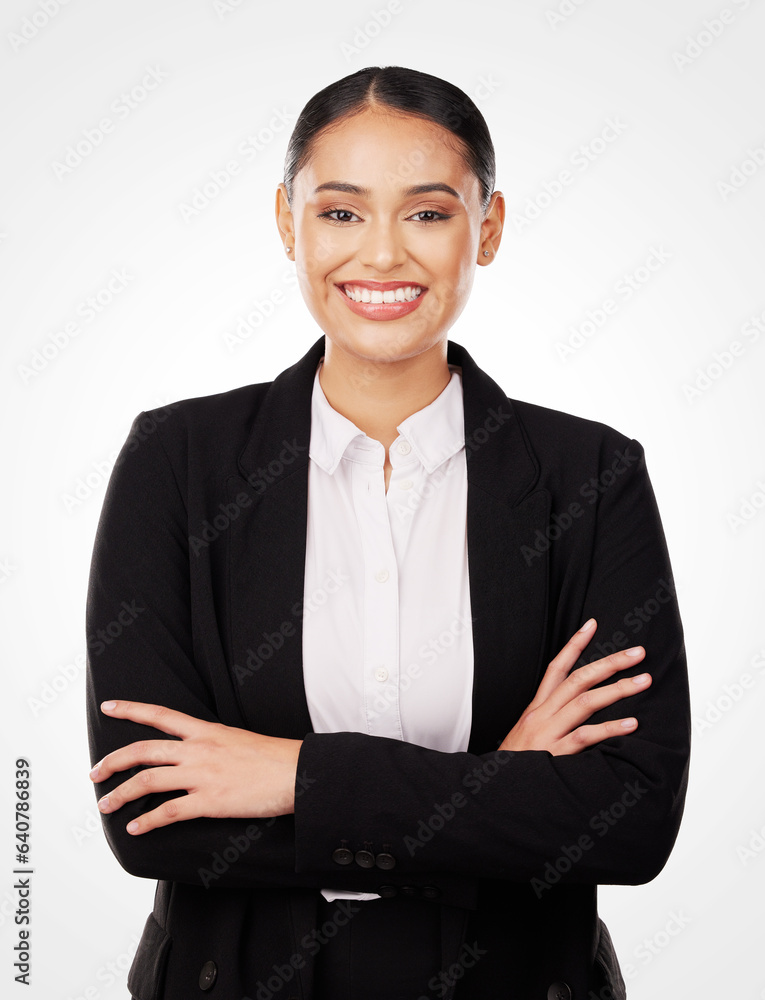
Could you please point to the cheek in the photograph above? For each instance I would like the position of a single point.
(454, 268)
(315, 245)
(316, 259)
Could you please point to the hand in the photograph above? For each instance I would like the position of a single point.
(227, 772)
(564, 700)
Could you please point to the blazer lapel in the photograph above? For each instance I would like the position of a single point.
(267, 557)
(508, 596)
(267, 544)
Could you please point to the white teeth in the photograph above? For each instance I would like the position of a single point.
(403, 294)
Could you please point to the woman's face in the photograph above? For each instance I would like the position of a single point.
(387, 208)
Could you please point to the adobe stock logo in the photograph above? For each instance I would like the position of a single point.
(742, 171)
(365, 33)
(711, 29)
(564, 10)
(250, 148)
(444, 812)
(88, 311)
(586, 154)
(708, 375)
(103, 637)
(121, 108)
(32, 25)
(600, 824)
(225, 7)
(596, 318)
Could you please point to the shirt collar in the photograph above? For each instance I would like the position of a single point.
(436, 432)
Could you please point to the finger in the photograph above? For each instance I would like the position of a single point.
(588, 676)
(559, 667)
(589, 736)
(586, 704)
(155, 752)
(146, 782)
(165, 719)
(173, 811)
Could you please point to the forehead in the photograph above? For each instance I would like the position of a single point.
(381, 149)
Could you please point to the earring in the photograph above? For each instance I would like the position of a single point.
(288, 249)
(486, 253)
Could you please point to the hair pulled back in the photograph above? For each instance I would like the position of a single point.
(404, 90)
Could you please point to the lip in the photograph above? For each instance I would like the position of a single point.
(382, 310)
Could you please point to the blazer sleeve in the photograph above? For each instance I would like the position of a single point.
(609, 814)
(140, 642)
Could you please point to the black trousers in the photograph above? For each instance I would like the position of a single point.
(378, 949)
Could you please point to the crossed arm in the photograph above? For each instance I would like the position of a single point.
(230, 772)
(207, 785)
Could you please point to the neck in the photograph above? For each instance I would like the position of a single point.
(378, 395)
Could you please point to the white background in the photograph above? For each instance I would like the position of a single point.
(688, 100)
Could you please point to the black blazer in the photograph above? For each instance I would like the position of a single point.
(194, 602)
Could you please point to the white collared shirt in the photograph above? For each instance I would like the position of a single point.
(387, 635)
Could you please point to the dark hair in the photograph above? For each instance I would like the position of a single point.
(404, 90)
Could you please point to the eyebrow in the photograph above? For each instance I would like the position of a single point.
(365, 192)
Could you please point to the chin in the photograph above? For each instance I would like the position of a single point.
(383, 342)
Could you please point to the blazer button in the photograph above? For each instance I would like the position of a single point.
(559, 991)
(342, 856)
(387, 891)
(385, 861)
(208, 975)
(365, 859)
(409, 890)
(431, 891)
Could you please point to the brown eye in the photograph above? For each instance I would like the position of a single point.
(434, 216)
(332, 215)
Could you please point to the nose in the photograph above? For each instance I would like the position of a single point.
(382, 246)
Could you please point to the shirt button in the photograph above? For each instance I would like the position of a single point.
(404, 447)
(382, 575)
(381, 674)
(405, 484)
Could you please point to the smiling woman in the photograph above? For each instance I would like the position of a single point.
(358, 733)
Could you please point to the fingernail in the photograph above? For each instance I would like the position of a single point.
(629, 723)
(103, 804)
(132, 826)
(634, 651)
(94, 772)
(640, 679)
(587, 625)
(107, 706)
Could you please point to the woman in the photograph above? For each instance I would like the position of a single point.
(324, 614)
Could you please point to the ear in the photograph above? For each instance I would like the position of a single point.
(284, 220)
(491, 228)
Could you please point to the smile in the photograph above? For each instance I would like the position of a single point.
(403, 293)
(381, 300)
